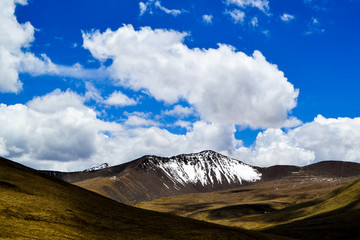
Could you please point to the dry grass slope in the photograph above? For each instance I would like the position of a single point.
(301, 209)
(36, 206)
(333, 216)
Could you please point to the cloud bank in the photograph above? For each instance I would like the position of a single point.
(225, 86)
(58, 131)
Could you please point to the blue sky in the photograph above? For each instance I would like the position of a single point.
(265, 81)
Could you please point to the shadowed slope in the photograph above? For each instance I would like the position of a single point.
(36, 206)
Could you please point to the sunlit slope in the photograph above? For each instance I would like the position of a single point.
(334, 216)
(35, 206)
(244, 207)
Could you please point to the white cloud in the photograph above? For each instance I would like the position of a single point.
(144, 7)
(262, 5)
(59, 132)
(224, 85)
(173, 12)
(49, 127)
(3, 150)
(16, 58)
(207, 18)
(314, 27)
(77, 71)
(183, 124)
(15, 39)
(321, 139)
(117, 98)
(274, 147)
(254, 22)
(179, 111)
(287, 17)
(237, 15)
(92, 93)
(330, 138)
(134, 120)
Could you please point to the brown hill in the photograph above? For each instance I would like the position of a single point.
(37, 206)
(152, 177)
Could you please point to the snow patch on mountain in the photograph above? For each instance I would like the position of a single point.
(101, 166)
(207, 167)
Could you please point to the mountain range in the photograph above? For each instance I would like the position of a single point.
(152, 177)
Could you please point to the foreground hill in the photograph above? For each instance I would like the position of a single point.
(152, 177)
(36, 206)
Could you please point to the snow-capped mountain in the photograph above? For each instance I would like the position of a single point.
(101, 166)
(205, 168)
(153, 177)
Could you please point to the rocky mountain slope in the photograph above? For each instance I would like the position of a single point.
(152, 177)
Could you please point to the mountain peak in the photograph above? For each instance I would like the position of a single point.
(101, 166)
(206, 168)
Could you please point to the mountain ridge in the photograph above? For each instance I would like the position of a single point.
(151, 177)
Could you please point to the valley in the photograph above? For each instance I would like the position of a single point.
(234, 207)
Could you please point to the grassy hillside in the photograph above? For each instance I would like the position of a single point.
(245, 207)
(36, 206)
(334, 216)
(303, 210)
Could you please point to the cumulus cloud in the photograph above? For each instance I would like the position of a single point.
(143, 7)
(15, 39)
(117, 98)
(149, 5)
(224, 85)
(179, 111)
(330, 138)
(49, 127)
(3, 150)
(321, 139)
(287, 17)
(274, 147)
(207, 18)
(139, 119)
(15, 56)
(237, 15)
(183, 124)
(262, 5)
(59, 132)
(173, 12)
(254, 22)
